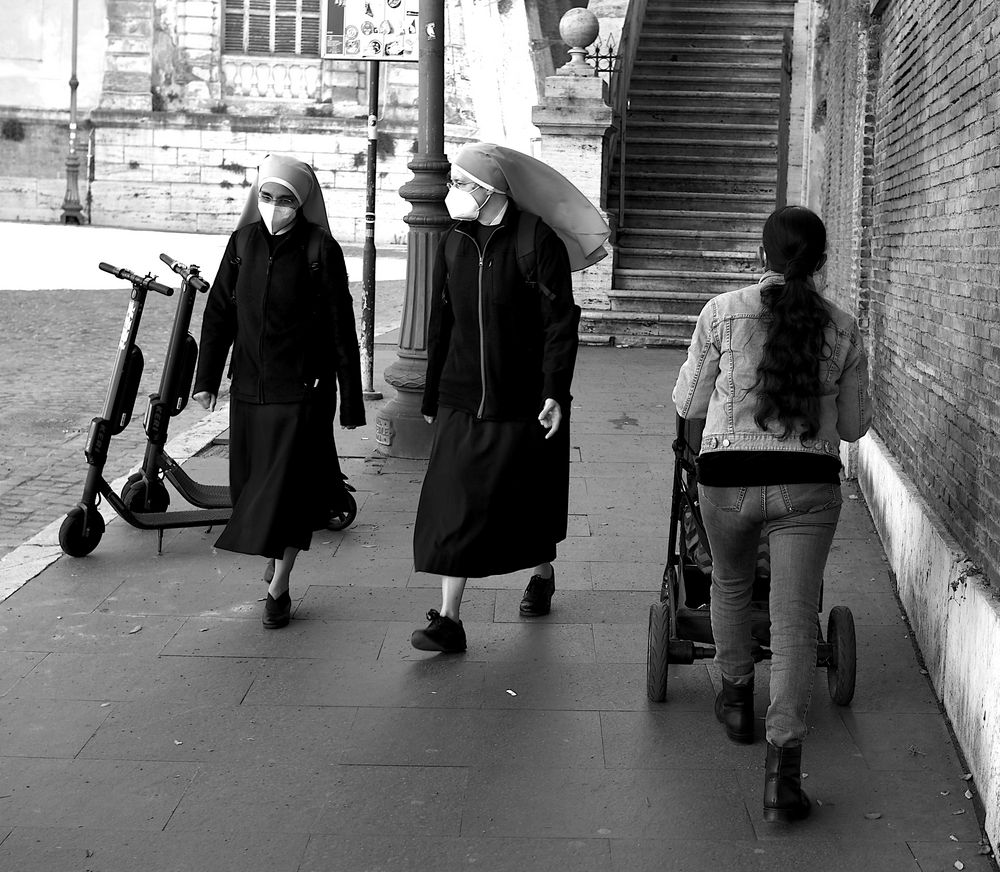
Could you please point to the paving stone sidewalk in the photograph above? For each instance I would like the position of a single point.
(148, 722)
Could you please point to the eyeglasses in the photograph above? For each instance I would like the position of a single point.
(265, 197)
(462, 184)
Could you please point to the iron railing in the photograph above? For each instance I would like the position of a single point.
(621, 77)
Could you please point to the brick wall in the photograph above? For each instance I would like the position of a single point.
(931, 69)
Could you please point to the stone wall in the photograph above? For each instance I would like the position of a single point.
(33, 150)
(193, 172)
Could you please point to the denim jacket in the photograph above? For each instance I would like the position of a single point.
(717, 380)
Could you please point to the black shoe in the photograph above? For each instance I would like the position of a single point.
(269, 571)
(734, 709)
(277, 612)
(537, 599)
(441, 634)
(784, 799)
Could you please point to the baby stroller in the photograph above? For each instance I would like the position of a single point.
(680, 627)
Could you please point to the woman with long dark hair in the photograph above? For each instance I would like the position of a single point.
(780, 377)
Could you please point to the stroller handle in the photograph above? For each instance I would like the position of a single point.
(188, 273)
(147, 282)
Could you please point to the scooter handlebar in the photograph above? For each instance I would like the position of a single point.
(189, 273)
(147, 281)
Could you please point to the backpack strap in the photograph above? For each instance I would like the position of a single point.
(524, 249)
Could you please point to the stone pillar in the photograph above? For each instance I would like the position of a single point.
(128, 64)
(572, 120)
(400, 429)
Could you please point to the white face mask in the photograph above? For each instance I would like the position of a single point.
(461, 205)
(277, 218)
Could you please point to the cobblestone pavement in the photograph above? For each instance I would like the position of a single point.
(55, 362)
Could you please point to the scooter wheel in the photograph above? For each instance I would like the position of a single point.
(78, 539)
(134, 495)
(343, 520)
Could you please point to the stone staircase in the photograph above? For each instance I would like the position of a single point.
(702, 142)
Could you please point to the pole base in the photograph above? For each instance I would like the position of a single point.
(400, 429)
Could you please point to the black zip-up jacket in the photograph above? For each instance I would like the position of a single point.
(289, 330)
(497, 347)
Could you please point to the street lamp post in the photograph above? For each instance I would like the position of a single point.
(400, 429)
(72, 211)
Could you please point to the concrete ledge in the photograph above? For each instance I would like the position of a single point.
(953, 610)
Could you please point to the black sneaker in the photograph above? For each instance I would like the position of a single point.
(277, 612)
(537, 599)
(441, 634)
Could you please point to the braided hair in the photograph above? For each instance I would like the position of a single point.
(788, 375)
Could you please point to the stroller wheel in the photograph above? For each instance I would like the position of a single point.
(343, 520)
(77, 537)
(656, 651)
(842, 672)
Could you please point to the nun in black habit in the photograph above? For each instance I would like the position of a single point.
(281, 301)
(502, 344)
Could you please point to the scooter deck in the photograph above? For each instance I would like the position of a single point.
(165, 520)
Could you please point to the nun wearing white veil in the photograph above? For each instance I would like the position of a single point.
(281, 301)
(502, 343)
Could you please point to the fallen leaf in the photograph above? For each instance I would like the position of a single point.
(967, 776)
(873, 815)
(511, 692)
(105, 704)
(968, 794)
(135, 629)
(924, 672)
(178, 743)
(959, 865)
(203, 630)
(960, 811)
(985, 849)
(953, 837)
(945, 792)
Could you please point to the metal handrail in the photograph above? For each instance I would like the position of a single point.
(784, 118)
(620, 85)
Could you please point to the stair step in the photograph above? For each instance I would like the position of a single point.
(662, 280)
(661, 303)
(641, 130)
(649, 222)
(704, 110)
(636, 328)
(666, 184)
(638, 257)
(642, 161)
(674, 25)
(673, 53)
(652, 146)
(685, 81)
(669, 95)
(700, 201)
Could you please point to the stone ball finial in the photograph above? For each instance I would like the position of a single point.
(578, 29)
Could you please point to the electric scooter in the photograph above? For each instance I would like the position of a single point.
(145, 491)
(141, 505)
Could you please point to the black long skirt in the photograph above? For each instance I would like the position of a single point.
(282, 467)
(495, 498)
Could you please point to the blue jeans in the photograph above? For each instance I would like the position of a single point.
(800, 521)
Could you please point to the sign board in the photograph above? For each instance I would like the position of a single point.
(371, 30)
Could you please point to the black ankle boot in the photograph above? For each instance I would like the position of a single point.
(734, 708)
(784, 799)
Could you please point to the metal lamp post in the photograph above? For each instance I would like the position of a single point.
(400, 429)
(72, 211)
